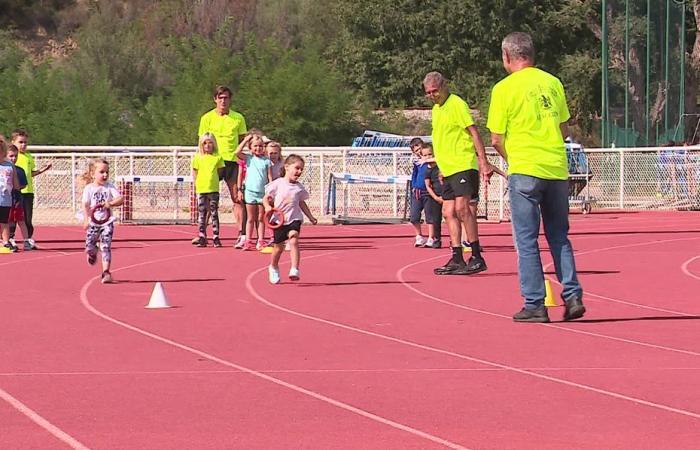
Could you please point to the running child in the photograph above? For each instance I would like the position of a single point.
(258, 174)
(17, 210)
(8, 182)
(289, 196)
(207, 170)
(99, 197)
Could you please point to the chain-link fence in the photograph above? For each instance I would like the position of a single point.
(160, 187)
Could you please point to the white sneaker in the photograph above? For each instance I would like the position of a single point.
(429, 243)
(294, 274)
(240, 243)
(420, 241)
(12, 241)
(27, 245)
(260, 245)
(287, 246)
(32, 243)
(274, 275)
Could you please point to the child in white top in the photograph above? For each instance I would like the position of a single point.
(274, 152)
(8, 182)
(289, 196)
(99, 197)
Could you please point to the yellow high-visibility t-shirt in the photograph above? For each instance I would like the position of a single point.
(226, 129)
(528, 107)
(207, 167)
(26, 162)
(453, 146)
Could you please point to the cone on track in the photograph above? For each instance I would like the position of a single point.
(548, 295)
(266, 250)
(4, 250)
(158, 298)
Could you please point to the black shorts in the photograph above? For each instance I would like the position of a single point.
(281, 234)
(4, 214)
(231, 171)
(462, 184)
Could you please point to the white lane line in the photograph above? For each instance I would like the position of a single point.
(343, 371)
(686, 270)
(43, 423)
(400, 277)
(639, 401)
(337, 403)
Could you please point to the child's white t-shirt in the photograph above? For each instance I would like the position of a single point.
(286, 197)
(97, 194)
(6, 183)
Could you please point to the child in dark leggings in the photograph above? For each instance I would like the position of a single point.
(207, 168)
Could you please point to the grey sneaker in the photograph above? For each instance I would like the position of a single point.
(538, 315)
(106, 277)
(573, 308)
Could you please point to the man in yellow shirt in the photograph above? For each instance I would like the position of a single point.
(527, 119)
(229, 128)
(460, 156)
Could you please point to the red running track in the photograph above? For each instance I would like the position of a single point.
(368, 351)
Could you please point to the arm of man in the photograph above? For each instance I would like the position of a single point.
(564, 127)
(307, 212)
(485, 168)
(497, 141)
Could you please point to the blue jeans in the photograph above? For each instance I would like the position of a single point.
(530, 199)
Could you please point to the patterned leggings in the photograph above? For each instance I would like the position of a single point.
(102, 233)
(208, 202)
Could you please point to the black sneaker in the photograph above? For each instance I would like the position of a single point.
(573, 308)
(450, 268)
(436, 244)
(195, 241)
(217, 242)
(474, 265)
(538, 315)
(201, 242)
(10, 247)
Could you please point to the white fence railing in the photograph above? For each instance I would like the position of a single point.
(633, 178)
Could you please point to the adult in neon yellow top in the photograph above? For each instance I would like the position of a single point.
(527, 119)
(207, 172)
(527, 108)
(458, 151)
(452, 145)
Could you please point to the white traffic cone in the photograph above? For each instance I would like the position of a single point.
(158, 299)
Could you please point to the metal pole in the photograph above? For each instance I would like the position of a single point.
(681, 94)
(395, 186)
(627, 70)
(622, 178)
(647, 119)
(604, 85)
(666, 64)
(73, 186)
(321, 182)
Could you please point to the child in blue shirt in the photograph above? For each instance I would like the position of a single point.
(258, 174)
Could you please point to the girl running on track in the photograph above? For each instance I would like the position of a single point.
(99, 197)
(288, 196)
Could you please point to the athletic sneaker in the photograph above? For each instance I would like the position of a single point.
(240, 243)
(106, 277)
(294, 274)
(10, 247)
(195, 240)
(201, 242)
(450, 268)
(474, 265)
(12, 241)
(573, 308)
(432, 243)
(217, 242)
(538, 315)
(420, 241)
(274, 275)
(92, 258)
(248, 246)
(287, 246)
(27, 246)
(261, 244)
(32, 244)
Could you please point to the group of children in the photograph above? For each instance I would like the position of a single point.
(264, 183)
(17, 172)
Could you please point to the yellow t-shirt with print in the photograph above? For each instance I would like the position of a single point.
(226, 129)
(26, 162)
(528, 107)
(207, 167)
(453, 146)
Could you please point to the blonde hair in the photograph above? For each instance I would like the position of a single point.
(86, 176)
(274, 144)
(205, 137)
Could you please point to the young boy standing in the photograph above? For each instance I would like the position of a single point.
(25, 160)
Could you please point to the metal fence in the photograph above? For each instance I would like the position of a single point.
(161, 190)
